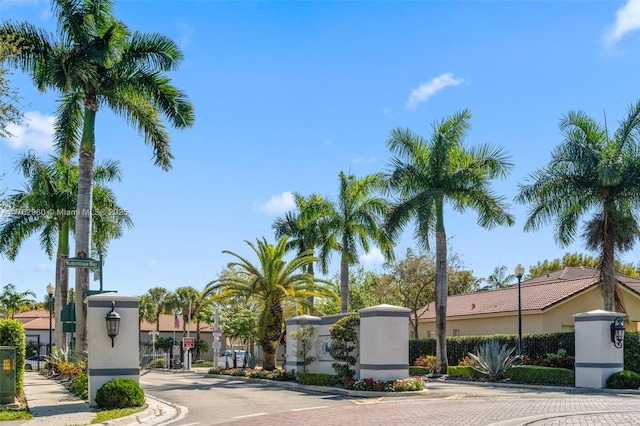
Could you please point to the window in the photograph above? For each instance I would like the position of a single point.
(456, 332)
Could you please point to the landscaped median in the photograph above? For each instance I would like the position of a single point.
(330, 382)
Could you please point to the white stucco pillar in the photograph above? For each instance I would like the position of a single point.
(105, 362)
(384, 342)
(293, 361)
(596, 356)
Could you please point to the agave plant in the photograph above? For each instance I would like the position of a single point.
(493, 359)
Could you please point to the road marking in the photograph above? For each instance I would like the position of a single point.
(310, 408)
(249, 415)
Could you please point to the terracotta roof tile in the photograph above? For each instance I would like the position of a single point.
(537, 294)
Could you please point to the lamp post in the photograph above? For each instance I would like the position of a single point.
(153, 334)
(50, 290)
(519, 274)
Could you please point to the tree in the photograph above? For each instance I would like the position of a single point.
(47, 206)
(575, 260)
(158, 299)
(595, 177)
(13, 302)
(354, 220)
(10, 112)
(499, 279)
(424, 174)
(271, 281)
(97, 61)
(305, 230)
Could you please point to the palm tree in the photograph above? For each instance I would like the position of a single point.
(12, 302)
(183, 300)
(305, 230)
(427, 173)
(97, 61)
(499, 279)
(159, 299)
(146, 310)
(271, 281)
(47, 205)
(354, 220)
(591, 174)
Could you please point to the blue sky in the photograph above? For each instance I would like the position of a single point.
(288, 94)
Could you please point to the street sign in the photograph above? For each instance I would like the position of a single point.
(188, 342)
(79, 262)
(216, 345)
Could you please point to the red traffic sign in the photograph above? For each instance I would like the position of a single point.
(188, 342)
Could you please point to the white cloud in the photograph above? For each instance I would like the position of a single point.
(372, 259)
(426, 90)
(627, 20)
(36, 132)
(43, 267)
(278, 204)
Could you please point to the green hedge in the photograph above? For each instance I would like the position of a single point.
(533, 374)
(533, 345)
(466, 372)
(12, 334)
(419, 371)
(318, 379)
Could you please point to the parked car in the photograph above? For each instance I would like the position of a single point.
(36, 362)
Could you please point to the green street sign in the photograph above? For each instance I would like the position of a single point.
(79, 262)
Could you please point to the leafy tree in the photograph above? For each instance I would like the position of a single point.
(576, 260)
(145, 310)
(499, 278)
(10, 111)
(354, 220)
(159, 299)
(424, 175)
(97, 61)
(47, 205)
(595, 177)
(270, 282)
(13, 302)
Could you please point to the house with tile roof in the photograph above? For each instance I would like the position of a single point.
(548, 302)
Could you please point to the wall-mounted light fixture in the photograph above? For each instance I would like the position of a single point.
(617, 332)
(113, 322)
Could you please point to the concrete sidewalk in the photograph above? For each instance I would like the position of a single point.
(52, 404)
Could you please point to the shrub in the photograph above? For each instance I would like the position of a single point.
(304, 345)
(624, 379)
(533, 374)
(464, 371)
(80, 384)
(493, 359)
(419, 371)
(214, 370)
(466, 362)
(427, 361)
(122, 392)
(318, 379)
(12, 334)
(344, 346)
(559, 359)
(632, 351)
(410, 384)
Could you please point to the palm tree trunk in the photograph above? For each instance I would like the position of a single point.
(344, 284)
(607, 269)
(311, 299)
(441, 291)
(83, 224)
(272, 336)
(62, 283)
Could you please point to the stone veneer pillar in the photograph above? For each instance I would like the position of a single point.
(384, 337)
(106, 363)
(596, 356)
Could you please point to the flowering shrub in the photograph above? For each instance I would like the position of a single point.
(410, 384)
(428, 361)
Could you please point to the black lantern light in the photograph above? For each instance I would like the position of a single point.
(113, 322)
(617, 332)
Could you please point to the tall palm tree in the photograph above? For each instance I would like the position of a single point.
(97, 61)
(13, 302)
(426, 173)
(183, 300)
(499, 278)
(305, 230)
(47, 205)
(355, 220)
(159, 299)
(271, 281)
(594, 175)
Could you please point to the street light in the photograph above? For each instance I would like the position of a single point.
(519, 274)
(50, 290)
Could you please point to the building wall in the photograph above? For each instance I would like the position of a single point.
(556, 319)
